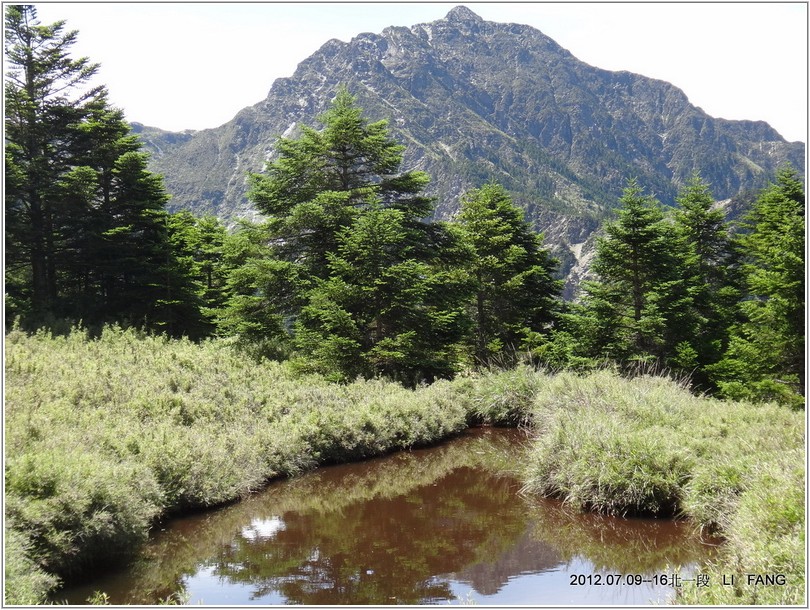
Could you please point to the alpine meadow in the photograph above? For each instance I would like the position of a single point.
(440, 240)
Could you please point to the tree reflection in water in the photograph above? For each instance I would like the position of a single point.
(384, 550)
(400, 529)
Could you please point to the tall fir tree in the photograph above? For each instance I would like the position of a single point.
(321, 180)
(765, 359)
(320, 184)
(711, 273)
(86, 225)
(385, 309)
(638, 308)
(514, 293)
(46, 94)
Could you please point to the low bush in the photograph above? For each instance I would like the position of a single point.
(77, 506)
(26, 582)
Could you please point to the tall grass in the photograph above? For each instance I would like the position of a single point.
(648, 446)
(104, 436)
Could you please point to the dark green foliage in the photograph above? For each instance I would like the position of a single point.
(386, 309)
(39, 115)
(638, 309)
(510, 275)
(262, 293)
(711, 273)
(346, 259)
(323, 179)
(765, 358)
(200, 250)
(86, 228)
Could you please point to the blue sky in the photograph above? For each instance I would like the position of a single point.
(195, 65)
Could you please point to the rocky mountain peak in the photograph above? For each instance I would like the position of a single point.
(462, 13)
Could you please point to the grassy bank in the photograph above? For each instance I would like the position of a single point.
(105, 436)
(647, 446)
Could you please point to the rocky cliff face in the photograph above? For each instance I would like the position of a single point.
(473, 101)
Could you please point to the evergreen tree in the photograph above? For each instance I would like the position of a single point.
(143, 282)
(319, 185)
(323, 179)
(638, 308)
(200, 249)
(385, 309)
(42, 104)
(710, 272)
(510, 272)
(86, 221)
(262, 294)
(765, 358)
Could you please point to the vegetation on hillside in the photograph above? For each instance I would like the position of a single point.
(347, 278)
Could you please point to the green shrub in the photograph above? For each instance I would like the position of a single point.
(77, 506)
(598, 464)
(26, 582)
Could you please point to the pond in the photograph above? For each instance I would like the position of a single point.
(430, 526)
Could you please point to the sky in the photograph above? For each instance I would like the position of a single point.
(195, 65)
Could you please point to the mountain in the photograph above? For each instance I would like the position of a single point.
(475, 100)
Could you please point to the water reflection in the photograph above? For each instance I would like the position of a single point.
(412, 528)
(263, 528)
(385, 548)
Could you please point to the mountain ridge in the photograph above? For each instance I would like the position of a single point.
(474, 101)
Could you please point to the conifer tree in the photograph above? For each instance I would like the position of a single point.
(44, 98)
(385, 309)
(199, 245)
(323, 179)
(765, 357)
(711, 274)
(320, 184)
(262, 294)
(86, 221)
(514, 293)
(638, 308)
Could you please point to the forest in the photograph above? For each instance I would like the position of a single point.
(348, 277)
(348, 288)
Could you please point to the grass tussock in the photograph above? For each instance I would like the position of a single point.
(647, 446)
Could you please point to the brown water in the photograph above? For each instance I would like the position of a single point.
(438, 525)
